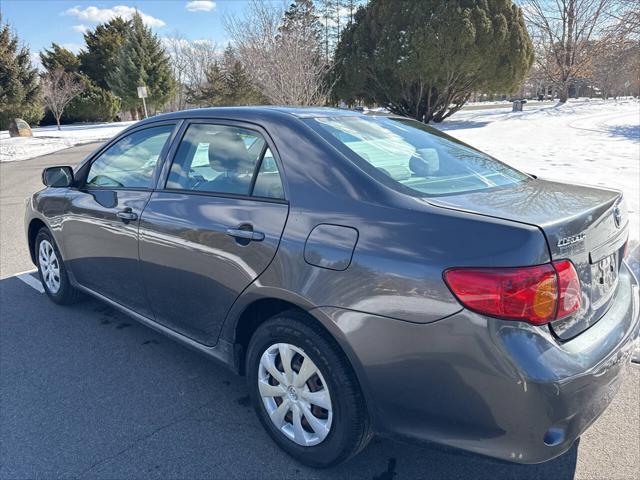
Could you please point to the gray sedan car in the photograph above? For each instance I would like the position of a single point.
(367, 274)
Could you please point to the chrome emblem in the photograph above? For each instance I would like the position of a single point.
(293, 394)
(617, 216)
(566, 241)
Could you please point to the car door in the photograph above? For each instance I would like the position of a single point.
(212, 227)
(100, 230)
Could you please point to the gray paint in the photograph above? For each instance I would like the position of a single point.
(429, 368)
(330, 246)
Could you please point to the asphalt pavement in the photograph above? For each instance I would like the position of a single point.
(86, 392)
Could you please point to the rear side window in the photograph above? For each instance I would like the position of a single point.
(414, 155)
(225, 159)
(131, 161)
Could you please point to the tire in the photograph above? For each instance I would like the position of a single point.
(346, 419)
(50, 264)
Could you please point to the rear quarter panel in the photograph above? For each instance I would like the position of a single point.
(403, 243)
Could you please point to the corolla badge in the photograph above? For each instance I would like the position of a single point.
(566, 241)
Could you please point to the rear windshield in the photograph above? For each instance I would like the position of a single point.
(415, 155)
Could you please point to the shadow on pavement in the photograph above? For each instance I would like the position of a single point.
(630, 132)
(88, 392)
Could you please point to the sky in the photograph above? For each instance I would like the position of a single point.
(40, 22)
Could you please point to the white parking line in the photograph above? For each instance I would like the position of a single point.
(30, 280)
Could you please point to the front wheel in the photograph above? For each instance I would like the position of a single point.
(52, 271)
(305, 391)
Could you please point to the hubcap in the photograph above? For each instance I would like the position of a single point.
(295, 394)
(49, 266)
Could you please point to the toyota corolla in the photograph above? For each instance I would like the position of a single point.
(367, 274)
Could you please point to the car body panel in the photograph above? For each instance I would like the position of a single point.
(100, 249)
(491, 386)
(579, 224)
(429, 368)
(192, 269)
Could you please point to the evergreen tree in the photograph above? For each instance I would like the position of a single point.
(240, 90)
(141, 61)
(424, 59)
(213, 93)
(102, 48)
(59, 57)
(227, 84)
(93, 104)
(19, 86)
(302, 16)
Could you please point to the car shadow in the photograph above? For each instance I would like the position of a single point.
(629, 132)
(87, 391)
(460, 125)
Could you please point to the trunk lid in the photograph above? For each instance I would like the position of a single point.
(586, 225)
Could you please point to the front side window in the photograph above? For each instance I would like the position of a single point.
(130, 162)
(224, 159)
(415, 155)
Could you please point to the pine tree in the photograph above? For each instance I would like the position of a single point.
(142, 61)
(302, 16)
(19, 86)
(59, 57)
(227, 84)
(102, 48)
(93, 104)
(425, 59)
(240, 90)
(213, 93)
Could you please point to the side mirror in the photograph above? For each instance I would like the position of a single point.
(58, 177)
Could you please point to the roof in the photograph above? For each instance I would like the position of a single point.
(254, 113)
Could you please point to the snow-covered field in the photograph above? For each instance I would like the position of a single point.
(592, 142)
(50, 139)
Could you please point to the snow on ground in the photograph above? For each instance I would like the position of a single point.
(50, 139)
(592, 142)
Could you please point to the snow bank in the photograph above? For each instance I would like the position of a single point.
(592, 142)
(50, 139)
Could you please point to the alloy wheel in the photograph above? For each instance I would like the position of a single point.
(295, 394)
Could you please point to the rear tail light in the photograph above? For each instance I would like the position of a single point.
(569, 288)
(537, 294)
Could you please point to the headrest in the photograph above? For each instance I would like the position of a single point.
(425, 162)
(227, 153)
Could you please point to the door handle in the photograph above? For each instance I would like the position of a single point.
(127, 215)
(245, 234)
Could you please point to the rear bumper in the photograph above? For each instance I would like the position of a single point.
(504, 389)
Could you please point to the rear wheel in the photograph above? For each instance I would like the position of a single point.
(305, 392)
(52, 271)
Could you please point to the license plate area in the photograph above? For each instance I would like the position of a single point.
(604, 276)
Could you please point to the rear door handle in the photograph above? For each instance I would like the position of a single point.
(127, 215)
(245, 234)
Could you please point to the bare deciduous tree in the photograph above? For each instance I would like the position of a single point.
(58, 89)
(567, 34)
(627, 18)
(616, 69)
(284, 63)
(191, 60)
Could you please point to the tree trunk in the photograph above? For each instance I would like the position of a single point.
(58, 121)
(134, 113)
(564, 93)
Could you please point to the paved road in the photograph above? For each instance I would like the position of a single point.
(86, 392)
